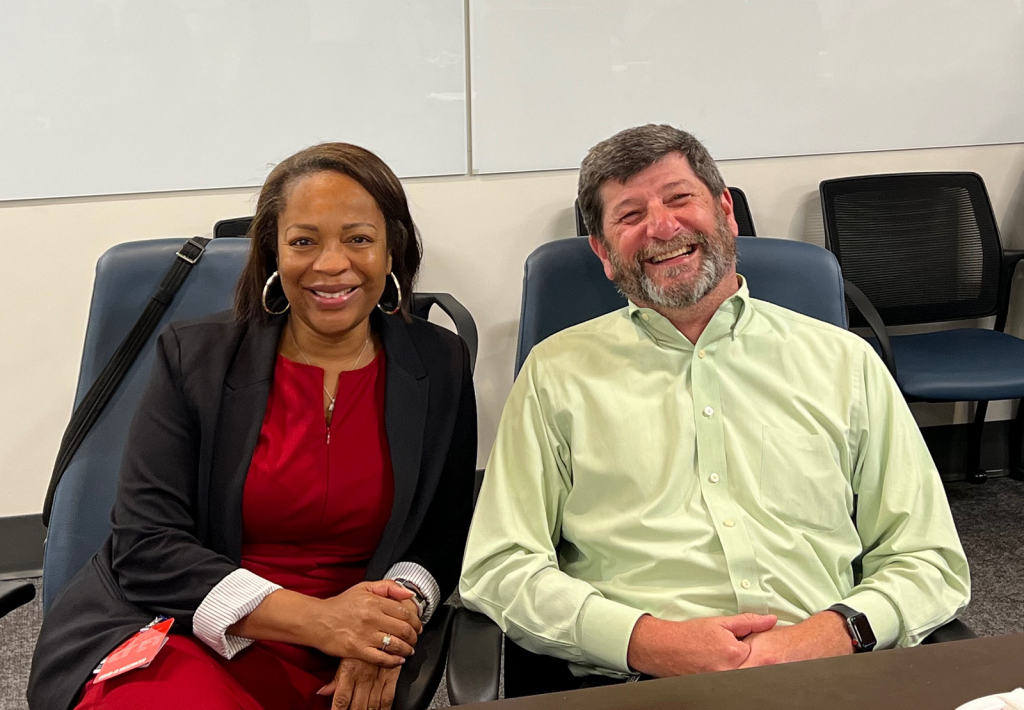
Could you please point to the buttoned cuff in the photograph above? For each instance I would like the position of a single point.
(882, 615)
(605, 628)
(424, 581)
(232, 599)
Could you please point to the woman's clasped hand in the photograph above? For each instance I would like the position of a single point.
(351, 627)
(352, 621)
(354, 624)
(359, 685)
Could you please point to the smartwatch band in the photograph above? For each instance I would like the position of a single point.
(418, 598)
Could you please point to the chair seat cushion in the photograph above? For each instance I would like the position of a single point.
(959, 365)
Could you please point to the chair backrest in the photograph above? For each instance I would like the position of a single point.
(923, 247)
(234, 227)
(126, 276)
(741, 210)
(564, 284)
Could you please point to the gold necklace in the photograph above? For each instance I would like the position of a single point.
(330, 407)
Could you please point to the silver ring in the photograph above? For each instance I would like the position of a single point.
(386, 642)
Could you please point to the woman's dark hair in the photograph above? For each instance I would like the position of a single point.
(368, 170)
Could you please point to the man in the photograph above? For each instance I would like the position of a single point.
(694, 482)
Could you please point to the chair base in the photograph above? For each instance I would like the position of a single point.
(977, 477)
(15, 593)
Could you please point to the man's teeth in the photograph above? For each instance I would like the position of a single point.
(339, 294)
(688, 249)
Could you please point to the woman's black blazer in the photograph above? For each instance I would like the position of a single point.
(177, 517)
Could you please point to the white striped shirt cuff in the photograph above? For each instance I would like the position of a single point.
(234, 598)
(424, 581)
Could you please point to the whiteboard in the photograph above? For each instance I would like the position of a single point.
(122, 96)
(751, 78)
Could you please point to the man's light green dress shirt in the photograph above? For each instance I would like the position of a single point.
(635, 472)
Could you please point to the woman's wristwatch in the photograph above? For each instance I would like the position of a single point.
(418, 598)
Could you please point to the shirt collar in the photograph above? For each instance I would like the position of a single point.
(730, 319)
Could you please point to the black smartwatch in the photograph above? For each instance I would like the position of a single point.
(858, 626)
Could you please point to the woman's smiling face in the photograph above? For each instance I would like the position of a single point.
(332, 252)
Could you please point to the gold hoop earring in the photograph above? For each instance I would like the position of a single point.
(266, 288)
(398, 300)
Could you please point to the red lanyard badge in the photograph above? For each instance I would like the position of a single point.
(137, 652)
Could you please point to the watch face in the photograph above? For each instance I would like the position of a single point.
(865, 636)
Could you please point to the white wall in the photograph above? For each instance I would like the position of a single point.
(477, 232)
(549, 79)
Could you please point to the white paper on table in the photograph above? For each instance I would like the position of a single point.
(1013, 700)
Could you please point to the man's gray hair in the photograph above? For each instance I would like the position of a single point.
(632, 151)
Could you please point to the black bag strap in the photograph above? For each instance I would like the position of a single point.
(98, 396)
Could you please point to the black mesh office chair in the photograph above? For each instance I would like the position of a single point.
(741, 210)
(234, 227)
(924, 248)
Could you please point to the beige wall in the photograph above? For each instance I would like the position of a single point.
(477, 232)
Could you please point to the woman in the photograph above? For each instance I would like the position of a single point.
(315, 438)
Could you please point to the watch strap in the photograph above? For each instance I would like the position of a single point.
(418, 598)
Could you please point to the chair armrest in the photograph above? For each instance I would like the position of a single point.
(863, 304)
(954, 630)
(14, 594)
(464, 323)
(474, 659)
(421, 674)
(1011, 257)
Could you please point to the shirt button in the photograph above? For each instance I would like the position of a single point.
(745, 584)
(645, 316)
(708, 411)
(729, 523)
(701, 354)
(713, 478)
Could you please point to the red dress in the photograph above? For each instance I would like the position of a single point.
(314, 507)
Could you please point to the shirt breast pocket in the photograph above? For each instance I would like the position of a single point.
(801, 483)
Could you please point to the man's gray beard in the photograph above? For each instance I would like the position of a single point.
(718, 257)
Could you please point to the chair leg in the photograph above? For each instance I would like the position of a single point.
(1016, 437)
(975, 473)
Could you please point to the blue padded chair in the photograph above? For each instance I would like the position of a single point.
(740, 208)
(564, 284)
(924, 248)
(126, 276)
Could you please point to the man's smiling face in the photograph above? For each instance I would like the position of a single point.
(668, 240)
